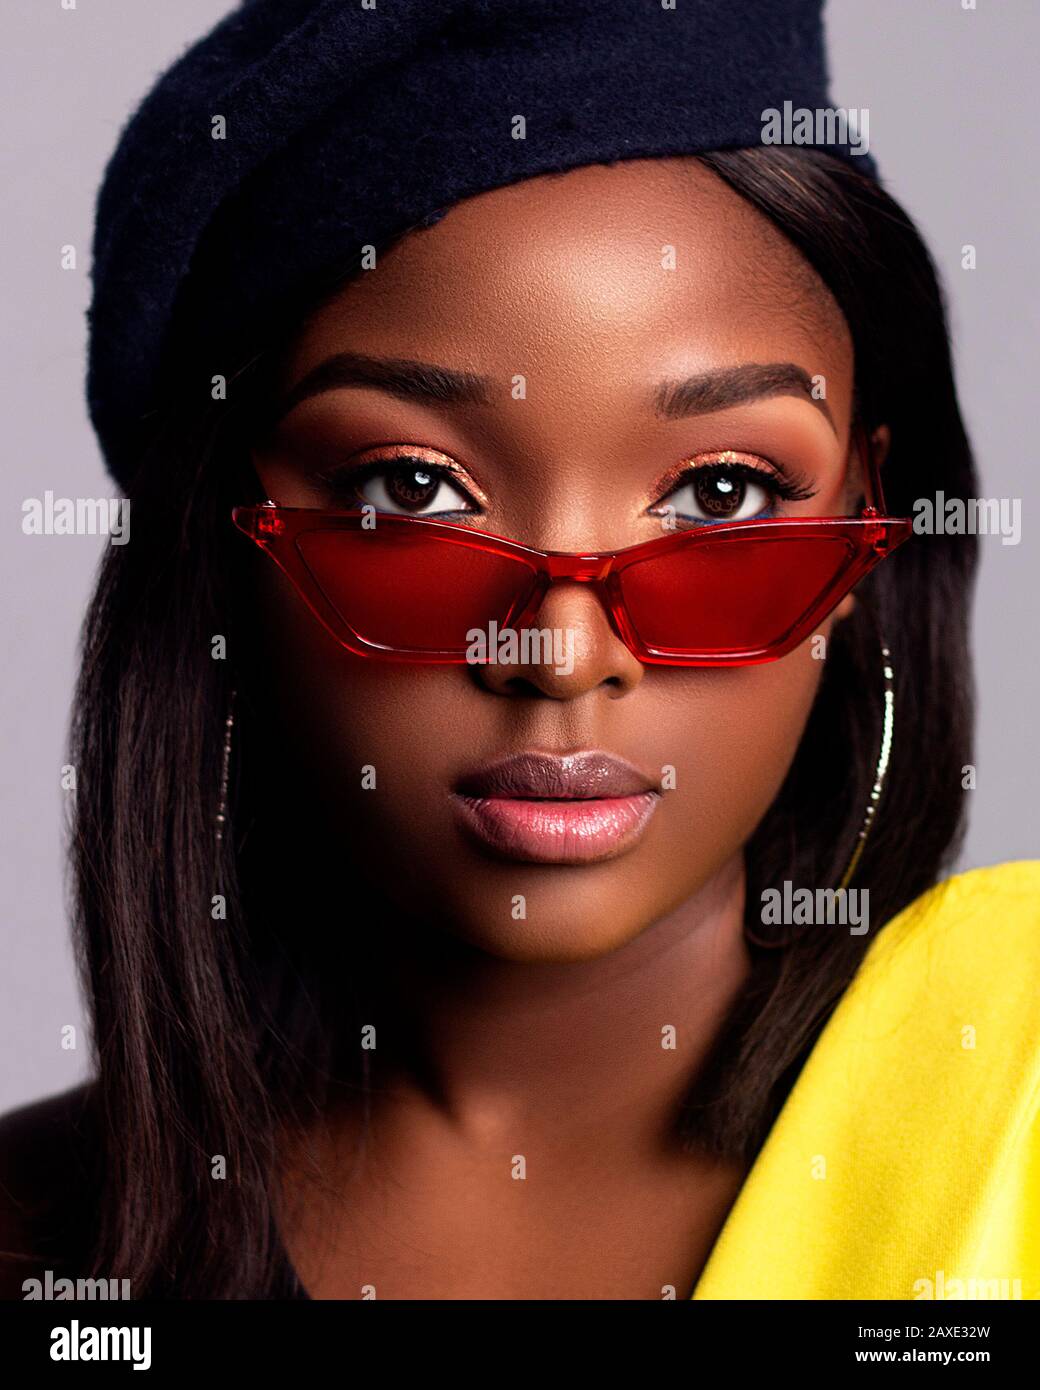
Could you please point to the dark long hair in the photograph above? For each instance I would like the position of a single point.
(215, 1033)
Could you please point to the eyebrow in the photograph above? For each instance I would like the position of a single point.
(729, 386)
(412, 381)
(429, 384)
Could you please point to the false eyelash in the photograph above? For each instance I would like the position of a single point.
(792, 488)
(354, 475)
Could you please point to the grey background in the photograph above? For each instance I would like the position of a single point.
(952, 123)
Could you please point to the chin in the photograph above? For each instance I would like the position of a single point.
(563, 922)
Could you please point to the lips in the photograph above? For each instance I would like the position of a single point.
(556, 808)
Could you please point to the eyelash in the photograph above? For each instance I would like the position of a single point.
(353, 476)
(790, 487)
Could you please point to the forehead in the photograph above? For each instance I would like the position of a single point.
(596, 279)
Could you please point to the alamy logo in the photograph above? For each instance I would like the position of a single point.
(972, 516)
(84, 1343)
(944, 1286)
(528, 646)
(77, 516)
(846, 907)
(821, 125)
(62, 1288)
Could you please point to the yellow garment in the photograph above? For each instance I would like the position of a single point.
(907, 1155)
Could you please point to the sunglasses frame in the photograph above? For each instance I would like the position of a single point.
(870, 537)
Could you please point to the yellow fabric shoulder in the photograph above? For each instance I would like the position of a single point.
(905, 1163)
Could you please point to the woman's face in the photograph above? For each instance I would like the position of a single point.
(576, 298)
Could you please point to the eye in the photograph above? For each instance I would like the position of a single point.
(727, 488)
(718, 494)
(403, 485)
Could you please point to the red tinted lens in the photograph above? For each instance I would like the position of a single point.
(414, 592)
(731, 595)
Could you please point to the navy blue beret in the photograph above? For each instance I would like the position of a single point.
(299, 131)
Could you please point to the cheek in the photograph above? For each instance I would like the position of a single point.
(370, 739)
(735, 734)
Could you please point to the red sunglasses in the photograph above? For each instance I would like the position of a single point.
(404, 588)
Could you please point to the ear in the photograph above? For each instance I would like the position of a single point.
(880, 443)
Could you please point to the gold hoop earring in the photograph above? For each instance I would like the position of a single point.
(225, 769)
(880, 770)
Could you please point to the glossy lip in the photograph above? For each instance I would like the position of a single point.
(573, 808)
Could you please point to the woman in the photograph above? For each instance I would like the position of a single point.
(424, 966)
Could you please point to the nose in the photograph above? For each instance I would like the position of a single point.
(569, 648)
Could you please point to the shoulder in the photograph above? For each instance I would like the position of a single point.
(909, 1148)
(983, 926)
(48, 1154)
(946, 1003)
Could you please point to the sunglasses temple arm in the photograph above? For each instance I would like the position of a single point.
(871, 471)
